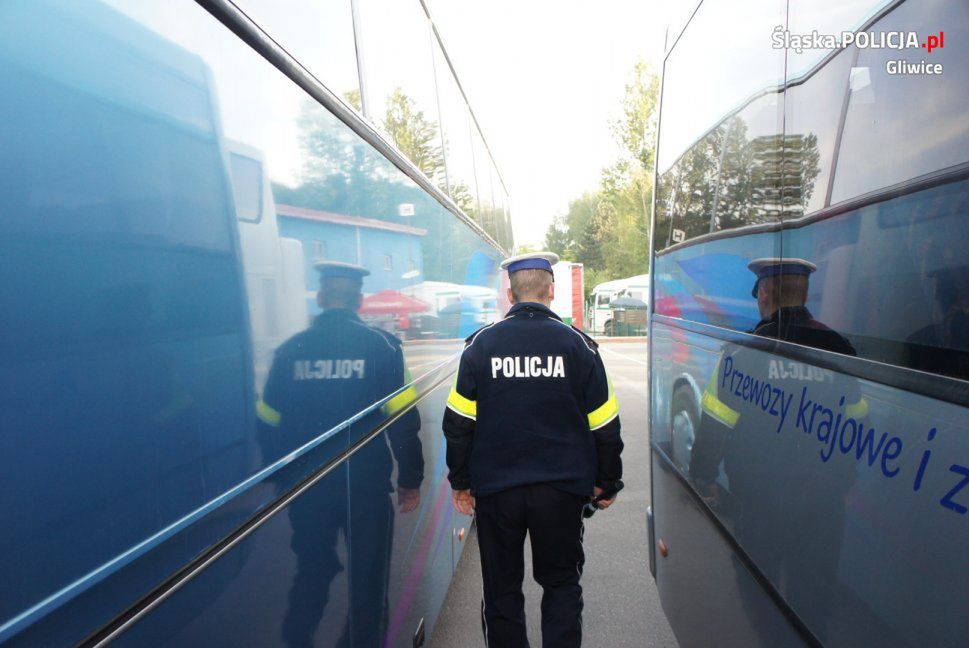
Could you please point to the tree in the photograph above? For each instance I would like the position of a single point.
(352, 97)
(414, 135)
(636, 129)
(728, 180)
(569, 235)
(608, 230)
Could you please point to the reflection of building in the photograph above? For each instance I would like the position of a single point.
(455, 310)
(391, 252)
(272, 264)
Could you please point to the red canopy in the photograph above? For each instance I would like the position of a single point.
(391, 302)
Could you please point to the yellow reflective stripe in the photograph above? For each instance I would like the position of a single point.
(712, 385)
(606, 412)
(461, 405)
(267, 414)
(857, 410)
(719, 410)
(400, 401)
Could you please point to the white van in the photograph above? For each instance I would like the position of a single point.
(600, 311)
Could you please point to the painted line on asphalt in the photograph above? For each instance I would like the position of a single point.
(622, 355)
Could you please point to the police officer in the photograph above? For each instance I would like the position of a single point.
(781, 291)
(320, 377)
(532, 429)
(770, 474)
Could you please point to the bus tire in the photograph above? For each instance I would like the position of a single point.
(684, 422)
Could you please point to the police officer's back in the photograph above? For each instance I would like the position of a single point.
(321, 377)
(533, 433)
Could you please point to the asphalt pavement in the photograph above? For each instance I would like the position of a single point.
(622, 606)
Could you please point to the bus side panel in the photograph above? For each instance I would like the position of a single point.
(269, 601)
(705, 589)
(398, 566)
(841, 479)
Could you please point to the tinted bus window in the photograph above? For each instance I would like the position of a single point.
(906, 311)
(719, 164)
(901, 126)
(892, 278)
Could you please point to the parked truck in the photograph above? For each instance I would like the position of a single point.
(569, 287)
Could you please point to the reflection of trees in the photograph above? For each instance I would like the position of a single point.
(342, 174)
(727, 180)
(801, 158)
(414, 135)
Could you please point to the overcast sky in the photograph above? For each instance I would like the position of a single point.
(545, 79)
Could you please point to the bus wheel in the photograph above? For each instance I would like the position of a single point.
(683, 425)
(607, 329)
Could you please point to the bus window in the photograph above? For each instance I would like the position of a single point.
(916, 122)
(913, 311)
(247, 187)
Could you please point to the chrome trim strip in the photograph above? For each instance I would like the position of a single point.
(26, 618)
(454, 75)
(935, 386)
(242, 26)
(152, 600)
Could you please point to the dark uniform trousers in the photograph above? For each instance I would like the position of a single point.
(552, 518)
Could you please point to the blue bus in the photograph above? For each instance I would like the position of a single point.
(145, 288)
(809, 325)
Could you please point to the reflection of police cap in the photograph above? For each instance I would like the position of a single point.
(536, 260)
(771, 267)
(340, 270)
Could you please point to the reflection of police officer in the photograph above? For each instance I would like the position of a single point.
(770, 475)
(532, 431)
(319, 378)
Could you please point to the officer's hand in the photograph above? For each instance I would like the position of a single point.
(710, 493)
(408, 499)
(603, 504)
(463, 502)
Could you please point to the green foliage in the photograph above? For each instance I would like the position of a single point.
(636, 130)
(352, 97)
(728, 180)
(414, 135)
(608, 230)
(342, 174)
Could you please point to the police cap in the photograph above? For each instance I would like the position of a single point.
(773, 266)
(340, 270)
(536, 260)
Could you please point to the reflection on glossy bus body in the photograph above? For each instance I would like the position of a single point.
(155, 489)
(600, 309)
(809, 421)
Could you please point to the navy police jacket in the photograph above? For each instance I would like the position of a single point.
(531, 404)
(328, 373)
